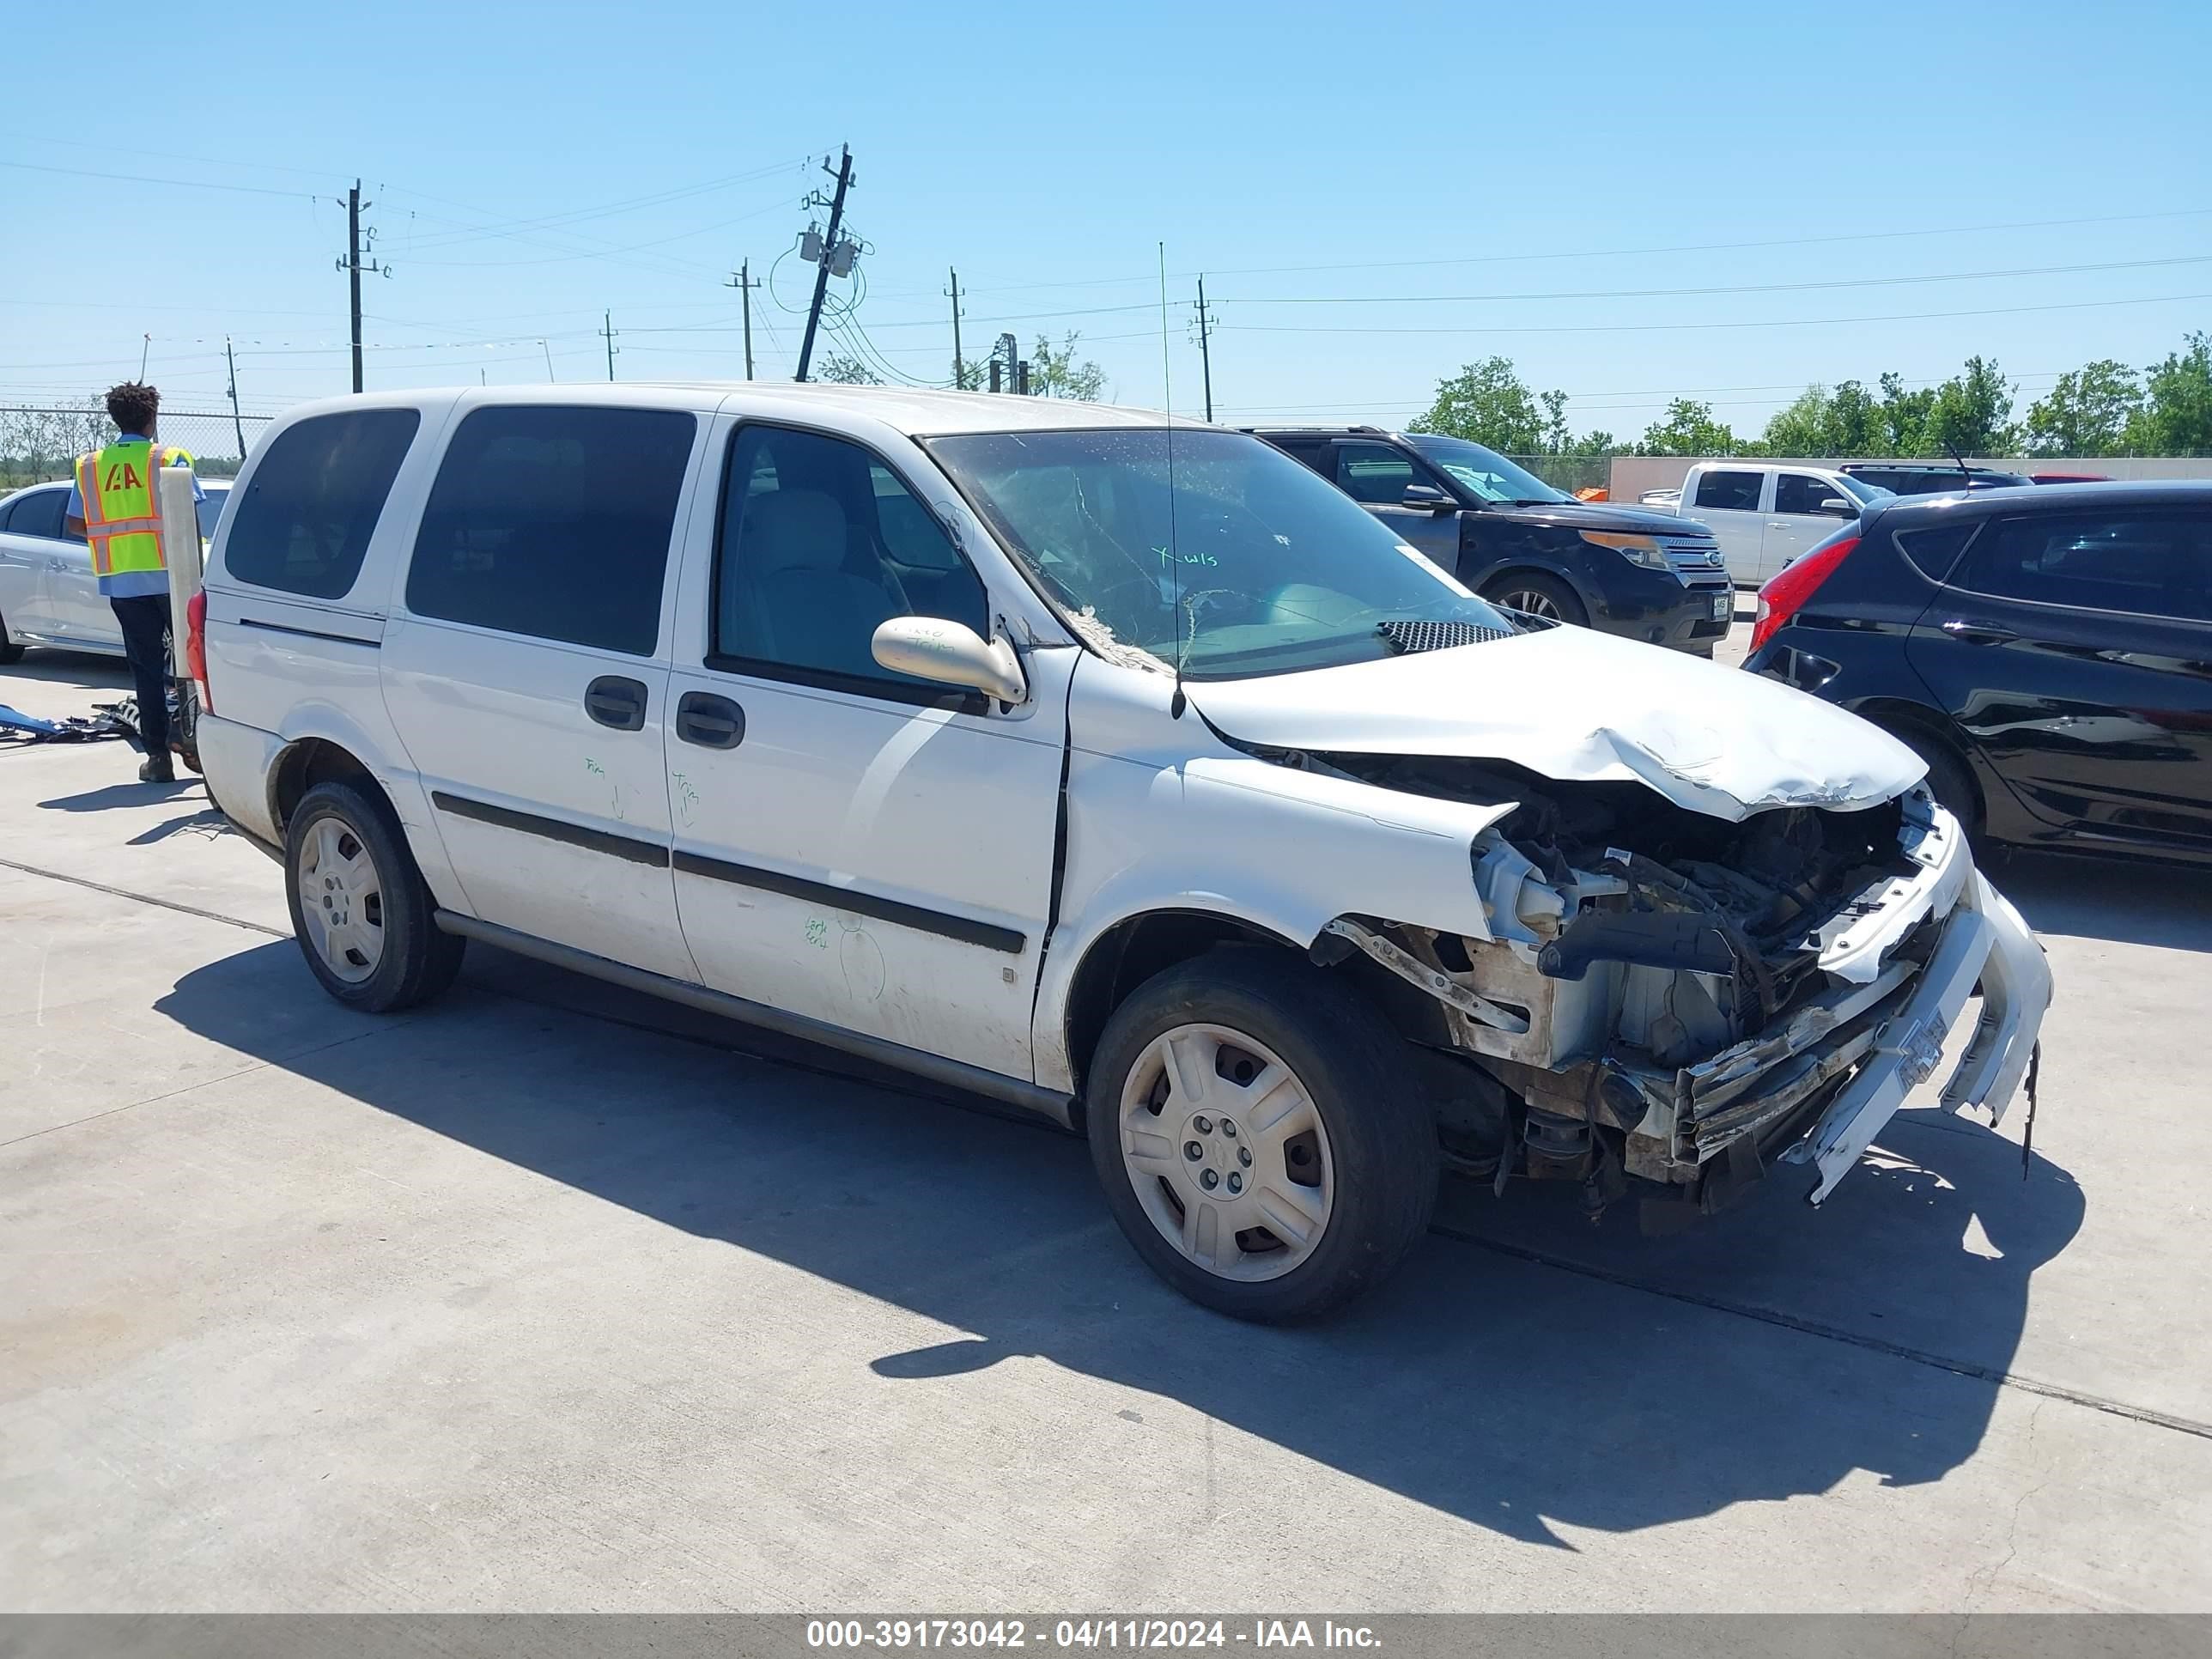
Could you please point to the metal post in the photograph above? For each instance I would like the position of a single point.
(237, 425)
(822, 269)
(353, 269)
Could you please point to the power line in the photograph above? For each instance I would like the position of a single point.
(1662, 328)
(1744, 287)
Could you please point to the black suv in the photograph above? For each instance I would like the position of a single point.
(1932, 477)
(2048, 652)
(1518, 542)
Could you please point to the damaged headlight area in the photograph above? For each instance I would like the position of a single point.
(1677, 1001)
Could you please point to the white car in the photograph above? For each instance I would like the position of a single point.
(1764, 516)
(48, 594)
(1121, 770)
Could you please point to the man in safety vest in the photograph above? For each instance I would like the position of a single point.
(115, 505)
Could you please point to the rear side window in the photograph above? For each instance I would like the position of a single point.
(2155, 565)
(1731, 492)
(39, 514)
(304, 520)
(555, 523)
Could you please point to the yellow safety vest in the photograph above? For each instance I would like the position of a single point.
(122, 508)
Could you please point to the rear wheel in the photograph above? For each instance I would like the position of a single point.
(1539, 595)
(361, 911)
(1259, 1137)
(9, 651)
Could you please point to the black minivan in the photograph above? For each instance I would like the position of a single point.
(2047, 650)
(1516, 541)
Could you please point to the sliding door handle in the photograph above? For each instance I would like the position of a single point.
(612, 699)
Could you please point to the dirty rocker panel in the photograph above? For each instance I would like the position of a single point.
(936, 1068)
(576, 835)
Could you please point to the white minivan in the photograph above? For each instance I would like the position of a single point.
(1118, 768)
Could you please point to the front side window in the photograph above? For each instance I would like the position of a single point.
(2151, 565)
(1488, 474)
(1210, 548)
(314, 499)
(1374, 473)
(1801, 493)
(820, 545)
(555, 523)
(1731, 492)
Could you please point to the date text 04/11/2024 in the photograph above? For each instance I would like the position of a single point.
(1087, 1634)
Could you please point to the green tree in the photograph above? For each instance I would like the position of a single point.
(1688, 428)
(1970, 413)
(1056, 374)
(2176, 416)
(1854, 421)
(841, 370)
(1901, 418)
(2087, 413)
(1487, 404)
(1806, 428)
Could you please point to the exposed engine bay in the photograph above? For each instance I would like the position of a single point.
(1666, 995)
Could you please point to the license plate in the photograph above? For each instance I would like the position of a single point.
(1723, 607)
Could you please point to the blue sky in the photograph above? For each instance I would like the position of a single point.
(1378, 192)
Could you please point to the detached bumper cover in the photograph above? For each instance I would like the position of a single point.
(1984, 940)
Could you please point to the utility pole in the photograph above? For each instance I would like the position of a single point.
(609, 330)
(237, 425)
(959, 368)
(353, 265)
(1204, 355)
(743, 281)
(844, 176)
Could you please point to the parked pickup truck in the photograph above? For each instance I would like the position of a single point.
(1123, 771)
(1764, 516)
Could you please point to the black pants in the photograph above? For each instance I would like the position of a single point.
(145, 622)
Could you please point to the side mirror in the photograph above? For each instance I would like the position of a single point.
(1839, 506)
(1427, 496)
(952, 654)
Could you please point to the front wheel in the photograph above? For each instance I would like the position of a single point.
(363, 915)
(9, 651)
(1259, 1137)
(1538, 595)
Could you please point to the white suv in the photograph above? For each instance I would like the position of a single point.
(1122, 770)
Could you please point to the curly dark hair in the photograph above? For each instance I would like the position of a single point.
(133, 405)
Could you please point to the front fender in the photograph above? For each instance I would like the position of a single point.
(1273, 847)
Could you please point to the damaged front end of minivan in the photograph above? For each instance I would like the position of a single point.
(1670, 1001)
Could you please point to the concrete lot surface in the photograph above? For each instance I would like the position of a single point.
(548, 1297)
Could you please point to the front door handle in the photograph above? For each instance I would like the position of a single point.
(710, 721)
(1979, 633)
(612, 699)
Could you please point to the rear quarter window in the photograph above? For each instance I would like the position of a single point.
(303, 522)
(1933, 550)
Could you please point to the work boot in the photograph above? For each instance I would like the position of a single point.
(156, 769)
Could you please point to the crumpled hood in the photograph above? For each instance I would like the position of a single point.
(1576, 705)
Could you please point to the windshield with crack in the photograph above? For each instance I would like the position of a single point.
(1246, 564)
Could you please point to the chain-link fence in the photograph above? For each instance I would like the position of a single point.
(39, 444)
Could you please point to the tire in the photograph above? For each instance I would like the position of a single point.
(1352, 1156)
(1539, 594)
(370, 937)
(9, 651)
(1948, 780)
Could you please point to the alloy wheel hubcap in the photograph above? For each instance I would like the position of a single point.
(1536, 604)
(341, 900)
(1227, 1153)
